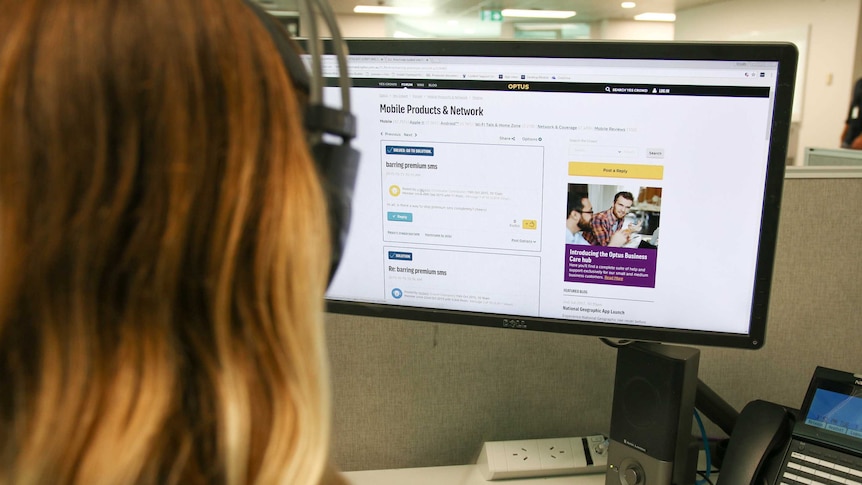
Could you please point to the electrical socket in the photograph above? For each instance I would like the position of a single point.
(522, 455)
(557, 453)
(544, 457)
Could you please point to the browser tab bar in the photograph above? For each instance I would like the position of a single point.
(552, 70)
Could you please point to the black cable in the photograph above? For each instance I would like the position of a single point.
(706, 479)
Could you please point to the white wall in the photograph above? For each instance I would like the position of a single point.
(833, 27)
(358, 25)
(632, 30)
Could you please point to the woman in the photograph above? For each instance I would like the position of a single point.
(163, 268)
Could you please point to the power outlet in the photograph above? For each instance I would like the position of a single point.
(557, 453)
(522, 455)
(544, 457)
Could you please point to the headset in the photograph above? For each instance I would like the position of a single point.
(337, 162)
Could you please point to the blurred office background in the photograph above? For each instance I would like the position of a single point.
(417, 394)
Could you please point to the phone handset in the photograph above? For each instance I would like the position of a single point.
(762, 432)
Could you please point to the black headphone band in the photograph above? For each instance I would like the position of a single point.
(337, 163)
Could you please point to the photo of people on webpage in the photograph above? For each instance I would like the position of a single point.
(612, 234)
(629, 221)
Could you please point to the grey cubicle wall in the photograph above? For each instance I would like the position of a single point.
(832, 157)
(410, 394)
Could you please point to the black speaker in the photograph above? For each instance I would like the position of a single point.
(651, 418)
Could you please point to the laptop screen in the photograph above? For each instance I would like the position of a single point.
(612, 189)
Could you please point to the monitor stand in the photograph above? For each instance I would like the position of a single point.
(656, 389)
(711, 405)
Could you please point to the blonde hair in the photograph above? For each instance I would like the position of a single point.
(164, 249)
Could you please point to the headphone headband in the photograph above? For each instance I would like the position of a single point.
(337, 163)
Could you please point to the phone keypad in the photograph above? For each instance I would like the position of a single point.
(810, 464)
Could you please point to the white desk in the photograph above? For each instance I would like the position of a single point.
(458, 475)
(465, 475)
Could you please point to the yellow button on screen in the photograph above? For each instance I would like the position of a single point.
(529, 224)
(616, 170)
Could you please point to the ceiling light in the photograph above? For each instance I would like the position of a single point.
(383, 10)
(656, 17)
(538, 14)
(628, 5)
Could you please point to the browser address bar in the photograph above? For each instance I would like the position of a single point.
(422, 68)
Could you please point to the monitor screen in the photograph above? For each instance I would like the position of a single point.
(622, 190)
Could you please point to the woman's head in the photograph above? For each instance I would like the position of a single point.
(163, 260)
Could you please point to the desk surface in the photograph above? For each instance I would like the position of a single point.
(466, 475)
(458, 475)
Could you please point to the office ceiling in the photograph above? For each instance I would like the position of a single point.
(466, 14)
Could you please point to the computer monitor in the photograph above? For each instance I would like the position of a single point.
(474, 151)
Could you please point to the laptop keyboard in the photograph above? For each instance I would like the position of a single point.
(810, 464)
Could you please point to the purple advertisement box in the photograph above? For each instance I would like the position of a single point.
(610, 266)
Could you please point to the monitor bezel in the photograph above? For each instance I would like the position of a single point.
(785, 54)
